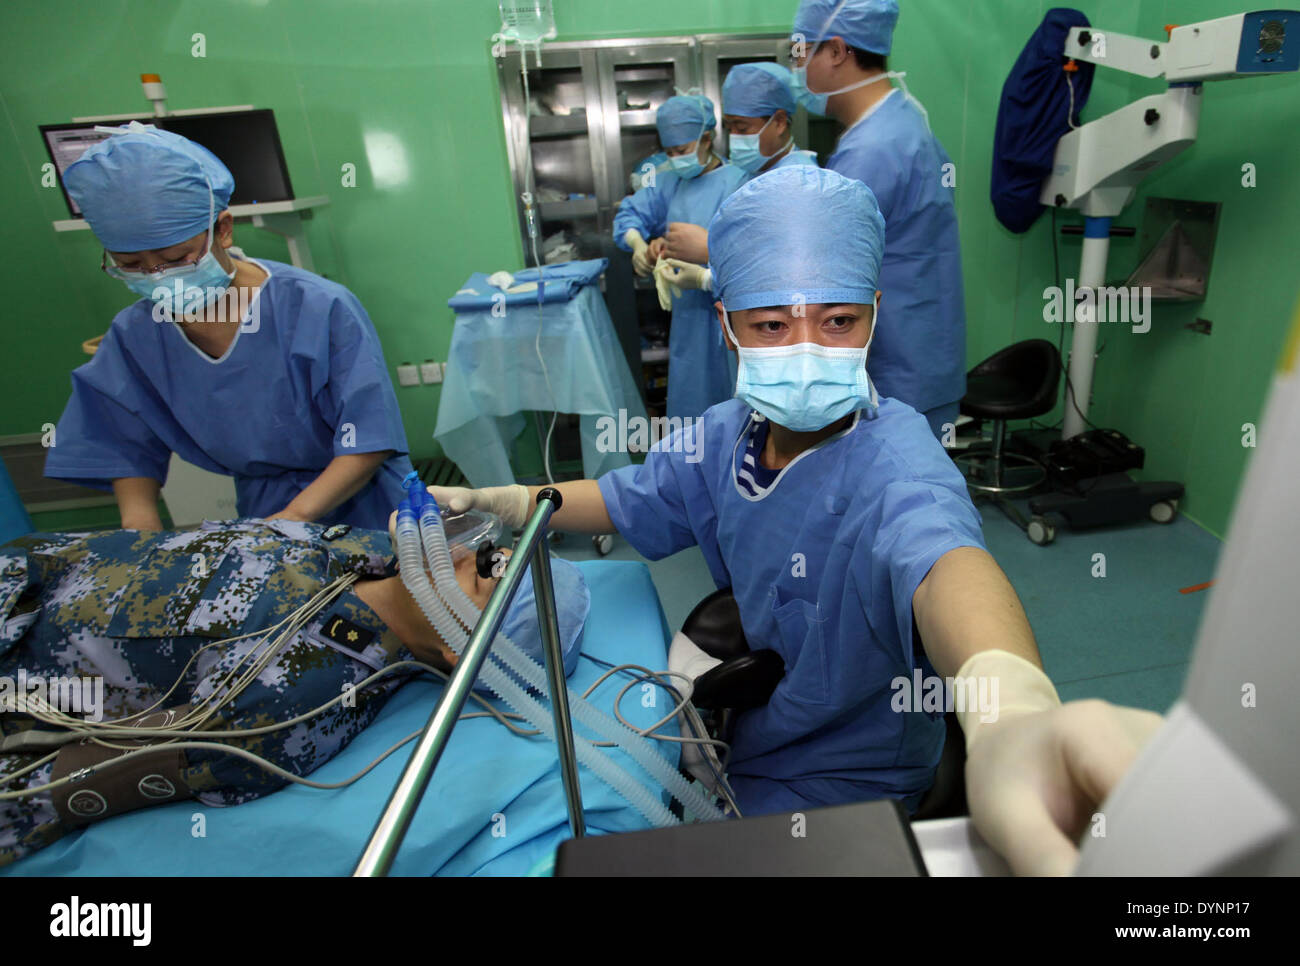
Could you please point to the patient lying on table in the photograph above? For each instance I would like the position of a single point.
(205, 627)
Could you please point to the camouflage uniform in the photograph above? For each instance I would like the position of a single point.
(134, 607)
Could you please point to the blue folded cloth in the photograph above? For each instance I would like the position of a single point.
(560, 282)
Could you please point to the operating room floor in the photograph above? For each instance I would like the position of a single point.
(1126, 636)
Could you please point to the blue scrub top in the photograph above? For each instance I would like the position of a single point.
(701, 371)
(823, 566)
(919, 352)
(304, 381)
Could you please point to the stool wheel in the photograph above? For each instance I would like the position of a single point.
(1164, 511)
(1040, 531)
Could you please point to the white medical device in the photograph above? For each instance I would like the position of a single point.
(1217, 789)
(1098, 165)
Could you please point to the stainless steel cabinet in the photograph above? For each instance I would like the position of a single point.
(591, 123)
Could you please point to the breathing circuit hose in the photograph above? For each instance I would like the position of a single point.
(410, 555)
(640, 749)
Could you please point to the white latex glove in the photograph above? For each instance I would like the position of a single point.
(687, 275)
(1036, 775)
(640, 252)
(663, 287)
(510, 503)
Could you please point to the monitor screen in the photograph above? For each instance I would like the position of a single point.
(247, 142)
(65, 143)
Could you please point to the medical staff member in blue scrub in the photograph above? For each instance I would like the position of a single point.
(758, 107)
(700, 370)
(250, 368)
(840, 48)
(851, 546)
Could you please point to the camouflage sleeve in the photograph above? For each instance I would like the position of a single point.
(13, 584)
(363, 552)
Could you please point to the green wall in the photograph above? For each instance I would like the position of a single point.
(406, 91)
(1186, 396)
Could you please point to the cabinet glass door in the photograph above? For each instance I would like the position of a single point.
(635, 80)
(557, 130)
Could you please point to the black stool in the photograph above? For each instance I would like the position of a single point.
(1018, 382)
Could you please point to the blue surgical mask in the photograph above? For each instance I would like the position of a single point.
(687, 166)
(804, 387)
(816, 103)
(187, 293)
(812, 103)
(187, 288)
(745, 152)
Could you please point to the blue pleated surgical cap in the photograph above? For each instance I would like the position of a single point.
(572, 604)
(146, 188)
(683, 118)
(757, 90)
(797, 235)
(864, 24)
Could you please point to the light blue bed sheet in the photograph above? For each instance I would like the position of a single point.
(495, 805)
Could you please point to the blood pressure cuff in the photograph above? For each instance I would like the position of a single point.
(154, 778)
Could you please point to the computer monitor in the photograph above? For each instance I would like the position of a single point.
(247, 142)
(66, 143)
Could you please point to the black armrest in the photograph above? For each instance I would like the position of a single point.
(741, 683)
(714, 626)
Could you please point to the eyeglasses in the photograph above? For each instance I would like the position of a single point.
(176, 269)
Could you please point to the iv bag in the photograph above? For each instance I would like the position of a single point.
(527, 22)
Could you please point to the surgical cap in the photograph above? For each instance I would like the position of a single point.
(799, 234)
(683, 118)
(147, 189)
(757, 90)
(572, 603)
(864, 24)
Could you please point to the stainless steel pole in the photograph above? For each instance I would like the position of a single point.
(553, 651)
(391, 828)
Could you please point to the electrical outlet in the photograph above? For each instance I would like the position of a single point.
(408, 375)
(430, 371)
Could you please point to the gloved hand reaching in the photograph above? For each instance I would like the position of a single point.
(687, 275)
(1036, 774)
(663, 288)
(641, 260)
(510, 503)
